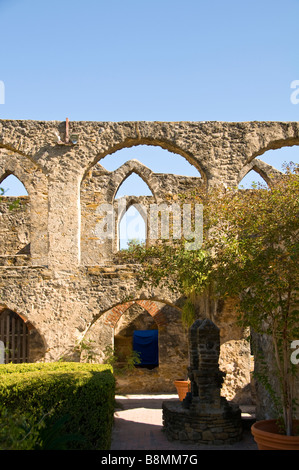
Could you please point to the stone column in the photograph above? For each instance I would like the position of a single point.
(64, 223)
(206, 378)
(209, 418)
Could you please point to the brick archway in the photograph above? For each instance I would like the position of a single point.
(150, 306)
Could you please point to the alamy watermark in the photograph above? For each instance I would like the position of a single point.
(295, 94)
(2, 92)
(162, 221)
(295, 353)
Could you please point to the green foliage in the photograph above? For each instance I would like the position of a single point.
(112, 359)
(86, 350)
(249, 252)
(14, 205)
(68, 405)
(17, 432)
(188, 313)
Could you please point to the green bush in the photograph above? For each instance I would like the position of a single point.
(72, 404)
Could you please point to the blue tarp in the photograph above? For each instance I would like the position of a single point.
(146, 343)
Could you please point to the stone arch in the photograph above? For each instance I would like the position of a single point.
(114, 328)
(154, 141)
(21, 339)
(267, 172)
(274, 144)
(99, 188)
(129, 202)
(126, 170)
(35, 182)
(170, 300)
(15, 236)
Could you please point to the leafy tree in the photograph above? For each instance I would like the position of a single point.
(250, 252)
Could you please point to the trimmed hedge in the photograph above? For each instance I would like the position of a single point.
(80, 394)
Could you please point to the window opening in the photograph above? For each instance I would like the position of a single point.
(12, 186)
(145, 343)
(133, 185)
(132, 228)
(14, 336)
(250, 179)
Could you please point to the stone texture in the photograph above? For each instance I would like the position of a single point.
(67, 285)
(205, 417)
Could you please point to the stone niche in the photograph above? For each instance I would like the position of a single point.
(204, 416)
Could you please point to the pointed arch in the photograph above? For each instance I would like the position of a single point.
(267, 172)
(19, 187)
(134, 189)
(126, 170)
(36, 185)
(149, 305)
(248, 179)
(154, 307)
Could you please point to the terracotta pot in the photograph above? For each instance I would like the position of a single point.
(266, 435)
(182, 386)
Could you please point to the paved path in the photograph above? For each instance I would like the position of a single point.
(138, 426)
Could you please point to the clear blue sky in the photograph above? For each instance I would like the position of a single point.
(164, 60)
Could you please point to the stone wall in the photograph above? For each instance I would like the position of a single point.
(15, 226)
(69, 284)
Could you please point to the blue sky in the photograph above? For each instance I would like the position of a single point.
(152, 60)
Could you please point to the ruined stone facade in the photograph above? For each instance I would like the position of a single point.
(64, 283)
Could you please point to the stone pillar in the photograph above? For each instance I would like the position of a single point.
(206, 378)
(64, 224)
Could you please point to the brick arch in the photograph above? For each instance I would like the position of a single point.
(151, 307)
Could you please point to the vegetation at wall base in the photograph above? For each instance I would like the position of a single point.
(59, 406)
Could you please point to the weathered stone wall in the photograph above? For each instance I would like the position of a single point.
(69, 283)
(15, 225)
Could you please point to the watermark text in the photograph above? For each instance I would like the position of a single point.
(2, 92)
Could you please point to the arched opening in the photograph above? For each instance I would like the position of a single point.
(136, 333)
(156, 173)
(19, 340)
(133, 185)
(132, 228)
(277, 159)
(252, 180)
(11, 186)
(15, 219)
(158, 159)
(132, 223)
(111, 337)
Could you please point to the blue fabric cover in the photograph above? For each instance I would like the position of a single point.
(146, 343)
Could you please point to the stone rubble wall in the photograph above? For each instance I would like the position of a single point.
(69, 282)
